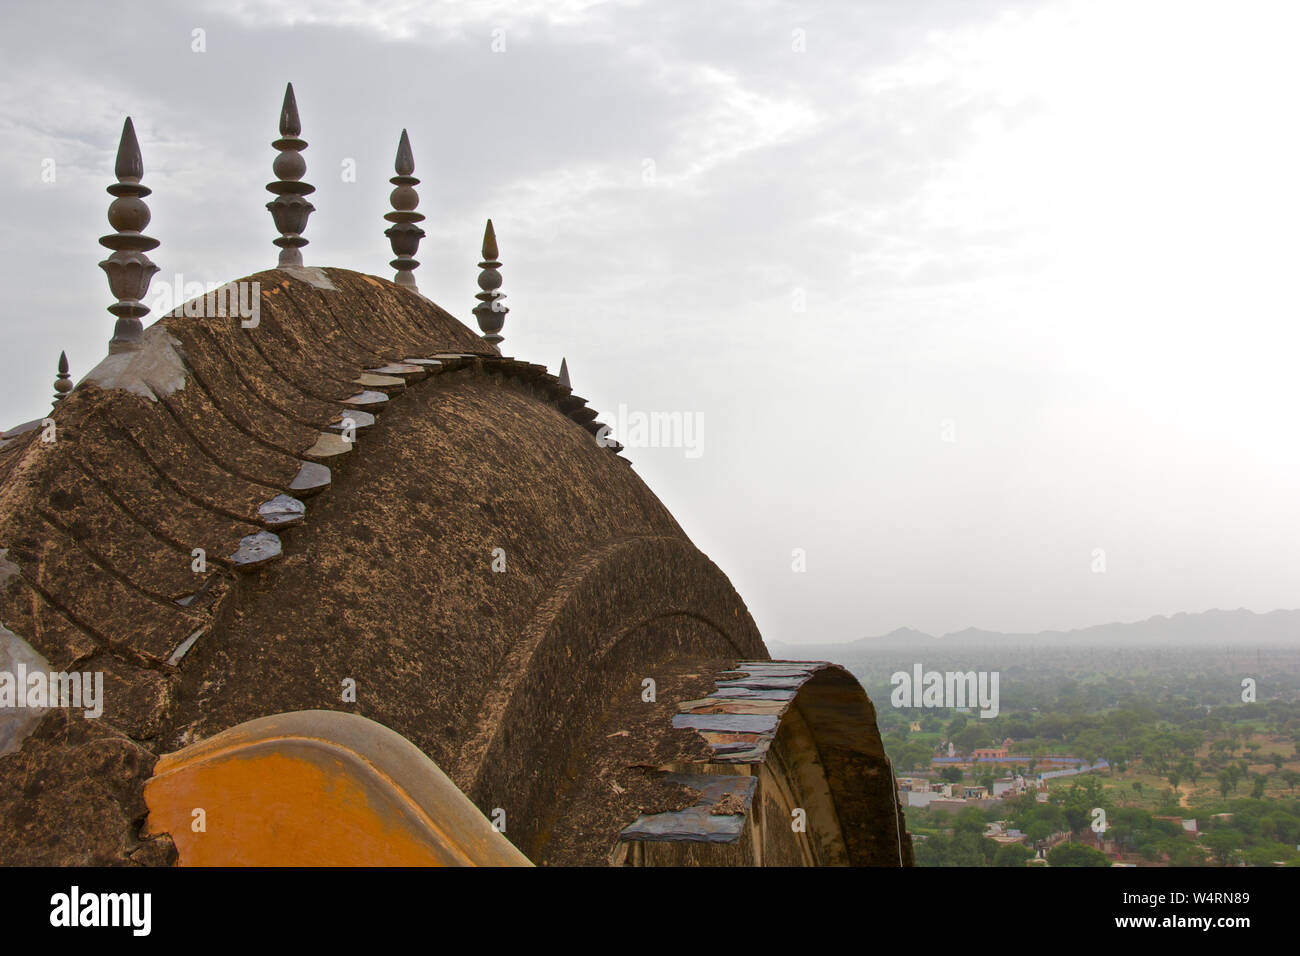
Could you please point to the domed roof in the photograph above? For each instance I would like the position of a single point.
(478, 557)
(309, 518)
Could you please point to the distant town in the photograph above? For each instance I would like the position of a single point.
(1141, 754)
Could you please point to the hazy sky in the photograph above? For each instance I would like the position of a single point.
(963, 290)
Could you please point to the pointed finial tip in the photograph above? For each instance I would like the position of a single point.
(289, 122)
(63, 363)
(129, 164)
(405, 163)
(564, 373)
(490, 242)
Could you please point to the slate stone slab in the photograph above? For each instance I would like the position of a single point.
(311, 478)
(404, 370)
(756, 755)
(329, 444)
(371, 380)
(359, 418)
(765, 683)
(763, 672)
(729, 723)
(696, 824)
(281, 511)
(366, 398)
(737, 693)
(255, 550)
(727, 747)
(725, 705)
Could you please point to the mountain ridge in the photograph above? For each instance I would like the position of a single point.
(1215, 626)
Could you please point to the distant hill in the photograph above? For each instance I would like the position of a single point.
(1214, 628)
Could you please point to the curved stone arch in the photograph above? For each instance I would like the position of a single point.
(805, 734)
(553, 685)
(841, 721)
(780, 783)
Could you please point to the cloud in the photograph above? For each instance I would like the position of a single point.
(1067, 227)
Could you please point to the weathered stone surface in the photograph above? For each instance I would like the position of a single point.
(137, 701)
(72, 796)
(156, 369)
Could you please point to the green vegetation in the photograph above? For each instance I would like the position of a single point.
(1179, 741)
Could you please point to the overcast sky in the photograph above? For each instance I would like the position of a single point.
(963, 291)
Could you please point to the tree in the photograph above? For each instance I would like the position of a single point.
(969, 820)
(1257, 788)
(1012, 854)
(1223, 845)
(1181, 853)
(1076, 854)
(1291, 777)
(1277, 761)
(950, 775)
(961, 849)
(1039, 830)
(970, 737)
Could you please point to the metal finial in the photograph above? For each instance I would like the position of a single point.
(63, 381)
(128, 269)
(490, 311)
(404, 235)
(564, 373)
(290, 207)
